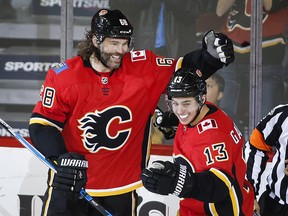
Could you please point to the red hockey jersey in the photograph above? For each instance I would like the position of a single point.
(106, 117)
(214, 146)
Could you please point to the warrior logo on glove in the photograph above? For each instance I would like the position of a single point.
(74, 163)
(71, 173)
(181, 180)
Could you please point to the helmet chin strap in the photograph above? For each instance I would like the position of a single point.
(197, 114)
(200, 103)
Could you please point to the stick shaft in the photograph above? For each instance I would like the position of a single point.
(44, 160)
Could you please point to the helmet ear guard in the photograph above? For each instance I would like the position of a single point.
(201, 99)
(99, 38)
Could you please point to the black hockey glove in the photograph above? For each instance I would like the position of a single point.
(71, 173)
(167, 119)
(167, 123)
(166, 178)
(219, 46)
(169, 133)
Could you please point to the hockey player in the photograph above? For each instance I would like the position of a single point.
(98, 106)
(167, 122)
(209, 168)
(269, 138)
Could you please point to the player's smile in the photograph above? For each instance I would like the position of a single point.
(185, 118)
(116, 58)
(112, 60)
(185, 109)
(115, 61)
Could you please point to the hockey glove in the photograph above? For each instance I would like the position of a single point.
(166, 178)
(219, 46)
(169, 133)
(167, 123)
(167, 119)
(71, 173)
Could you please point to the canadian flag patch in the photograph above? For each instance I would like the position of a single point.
(138, 55)
(206, 124)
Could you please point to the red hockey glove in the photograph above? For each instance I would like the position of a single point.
(219, 46)
(166, 178)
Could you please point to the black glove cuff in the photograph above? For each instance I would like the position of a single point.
(201, 59)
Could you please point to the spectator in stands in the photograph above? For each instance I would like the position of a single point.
(215, 88)
(237, 78)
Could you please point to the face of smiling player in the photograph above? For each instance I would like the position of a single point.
(185, 108)
(112, 51)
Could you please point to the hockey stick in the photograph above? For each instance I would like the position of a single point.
(41, 157)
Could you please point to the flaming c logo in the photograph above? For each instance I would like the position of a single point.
(107, 129)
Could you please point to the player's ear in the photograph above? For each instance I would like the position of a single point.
(220, 95)
(94, 41)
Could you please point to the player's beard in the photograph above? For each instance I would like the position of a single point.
(113, 61)
(109, 60)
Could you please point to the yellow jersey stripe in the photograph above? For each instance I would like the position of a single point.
(232, 192)
(42, 121)
(50, 191)
(114, 191)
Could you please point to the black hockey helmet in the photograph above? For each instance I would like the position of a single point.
(111, 23)
(185, 83)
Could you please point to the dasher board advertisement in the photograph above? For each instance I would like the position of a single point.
(23, 183)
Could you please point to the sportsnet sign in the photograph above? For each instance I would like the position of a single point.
(32, 67)
(81, 7)
(19, 127)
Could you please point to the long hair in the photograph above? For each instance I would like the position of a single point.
(86, 47)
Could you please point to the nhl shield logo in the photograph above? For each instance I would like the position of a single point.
(104, 80)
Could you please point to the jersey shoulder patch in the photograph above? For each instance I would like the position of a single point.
(206, 125)
(138, 55)
(58, 68)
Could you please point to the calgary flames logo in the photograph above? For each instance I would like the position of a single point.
(108, 129)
